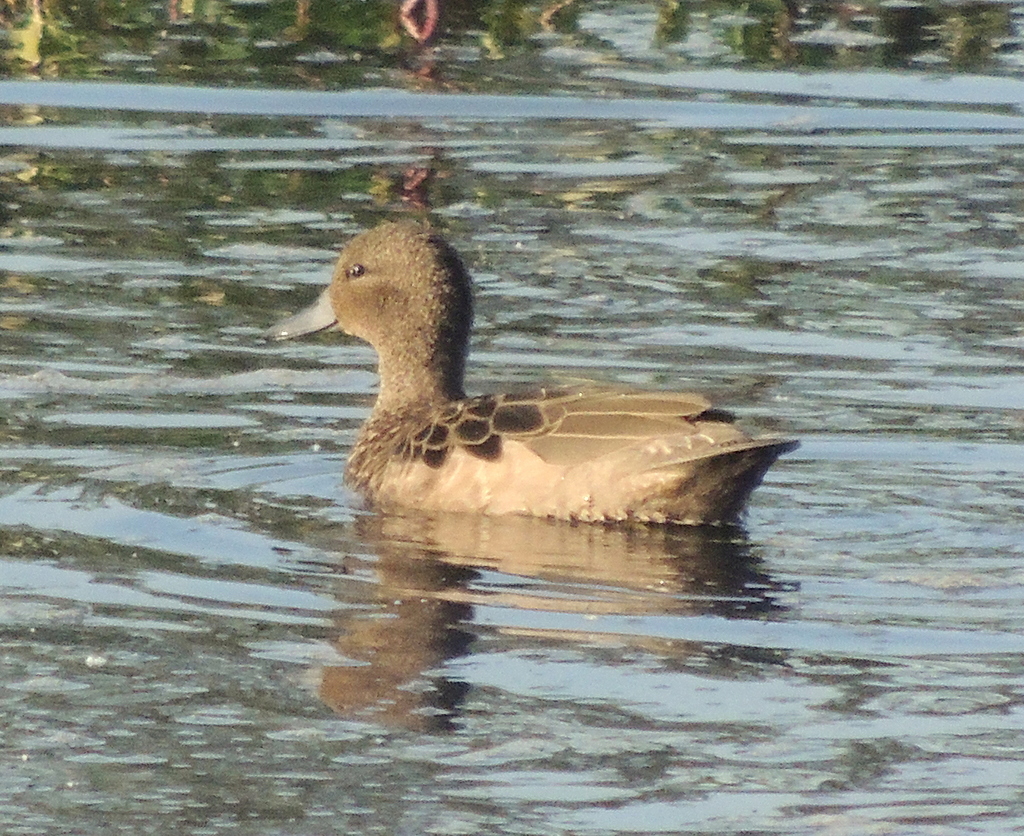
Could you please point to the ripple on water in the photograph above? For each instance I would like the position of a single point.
(203, 629)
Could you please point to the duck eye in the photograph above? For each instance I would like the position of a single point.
(355, 271)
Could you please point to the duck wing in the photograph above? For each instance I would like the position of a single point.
(567, 427)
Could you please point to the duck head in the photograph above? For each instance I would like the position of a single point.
(402, 288)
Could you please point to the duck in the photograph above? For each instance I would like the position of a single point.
(582, 453)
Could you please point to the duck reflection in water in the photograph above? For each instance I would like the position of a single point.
(430, 570)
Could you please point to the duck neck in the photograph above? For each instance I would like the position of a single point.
(410, 385)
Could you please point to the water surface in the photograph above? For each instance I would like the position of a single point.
(203, 631)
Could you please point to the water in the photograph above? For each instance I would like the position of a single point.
(201, 629)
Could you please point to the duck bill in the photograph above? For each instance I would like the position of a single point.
(317, 317)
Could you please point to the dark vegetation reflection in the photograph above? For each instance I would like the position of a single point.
(333, 43)
(433, 571)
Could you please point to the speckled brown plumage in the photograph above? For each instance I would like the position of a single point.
(587, 453)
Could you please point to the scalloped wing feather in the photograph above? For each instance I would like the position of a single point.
(567, 427)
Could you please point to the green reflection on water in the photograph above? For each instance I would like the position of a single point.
(316, 43)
